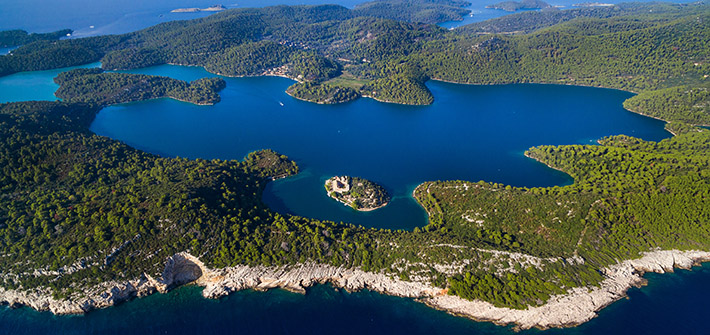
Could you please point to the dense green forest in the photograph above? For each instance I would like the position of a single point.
(512, 6)
(629, 196)
(12, 38)
(635, 47)
(94, 209)
(84, 209)
(426, 11)
(687, 103)
(322, 93)
(72, 197)
(633, 15)
(96, 87)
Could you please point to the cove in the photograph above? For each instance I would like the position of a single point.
(469, 133)
(33, 85)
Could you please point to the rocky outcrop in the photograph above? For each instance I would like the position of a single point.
(100, 296)
(298, 278)
(580, 304)
(182, 268)
(577, 306)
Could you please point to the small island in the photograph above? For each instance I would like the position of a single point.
(213, 8)
(358, 193)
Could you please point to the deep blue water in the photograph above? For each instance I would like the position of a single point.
(97, 17)
(671, 304)
(469, 133)
(100, 17)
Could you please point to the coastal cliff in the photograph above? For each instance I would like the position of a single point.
(573, 308)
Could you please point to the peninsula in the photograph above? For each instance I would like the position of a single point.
(87, 221)
(512, 6)
(358, 193)
(98, 87)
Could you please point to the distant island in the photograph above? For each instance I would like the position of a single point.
(358, 193)
(512, 6)
(88, 221)
(213, 8)
(593, 4)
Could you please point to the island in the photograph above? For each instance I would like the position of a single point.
(213, 8)
(88, 221)
(358, 193)
(512, 6)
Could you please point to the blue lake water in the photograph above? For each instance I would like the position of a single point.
(469, 133)
(528, 114)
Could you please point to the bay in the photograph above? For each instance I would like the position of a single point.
(469, 133)
(34, 85)
(671, 303)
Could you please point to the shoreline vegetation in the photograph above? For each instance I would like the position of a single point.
(85, 218)
(213, 8)
(512, 6)
(567, 310)
(102, 88)
(12, 38)
(311, 61)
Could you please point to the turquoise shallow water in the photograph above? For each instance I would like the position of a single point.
(35, 85)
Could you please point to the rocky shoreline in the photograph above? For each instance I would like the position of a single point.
(576, 307)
